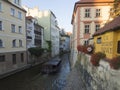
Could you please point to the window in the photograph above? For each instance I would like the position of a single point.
(118, 47)
(14, 43)
(98, 12)
(0, 6)
(20, 29)
(12, 12)
(97, 27)
(87, 13)
(2, 58)
(99, 40)
(17, 2)
(22, 57)
(1, 26)
(1, 43)
(13, 28)
(19, 15)
(14, 58)
(20, 43)
(87, 28)
(86, 42)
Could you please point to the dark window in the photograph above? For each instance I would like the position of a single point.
(1, 43)
(86, 42)
(2, 58)
(14, 58)
(22, 57)
(118, 49)
(98, 40)
(87, 27)
(87, 13)
(97, 27)
(0, 25)
(98, 11)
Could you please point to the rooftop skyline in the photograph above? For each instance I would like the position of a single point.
(62, 9)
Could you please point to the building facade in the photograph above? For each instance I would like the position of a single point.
(12, 36)
(88, 16)
(47, 19)
(107, 40)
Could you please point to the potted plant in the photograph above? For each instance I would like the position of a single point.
(115, 63)
(95, 58)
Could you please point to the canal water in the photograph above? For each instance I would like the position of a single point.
(32, 79)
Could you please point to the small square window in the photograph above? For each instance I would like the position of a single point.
(99, 40)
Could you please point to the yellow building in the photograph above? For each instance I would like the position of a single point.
(107, 39)
(12, 36)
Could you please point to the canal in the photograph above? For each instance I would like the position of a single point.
(32, 79)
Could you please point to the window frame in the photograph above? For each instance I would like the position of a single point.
(14, 43)
(13, 28)
(99, 40)
(19, 15)
(97, 27)
(1, 25)
(14, 58)
(87, 13)
(12, 12)
(2, 58)
(1, 43)
(87, 28)
(98, 13)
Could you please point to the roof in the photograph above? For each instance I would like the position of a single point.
(96, 1)
(111, 26)
(29, 17)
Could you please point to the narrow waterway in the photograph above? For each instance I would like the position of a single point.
(32, 79)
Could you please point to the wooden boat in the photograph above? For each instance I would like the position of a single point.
(51, 66)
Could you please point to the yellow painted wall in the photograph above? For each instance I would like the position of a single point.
(6, 35)
(108, 43)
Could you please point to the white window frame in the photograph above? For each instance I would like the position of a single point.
(17, 2)
(19, 15)
(20, 43)
(12, 12)
(1, 43)
(20, 29)
(98, 12)
(87, 13)
(14, 43)
(13, 28)
(87, 28)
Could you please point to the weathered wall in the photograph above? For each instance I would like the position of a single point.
(98, 78)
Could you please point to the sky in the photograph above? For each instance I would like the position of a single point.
(62, 9)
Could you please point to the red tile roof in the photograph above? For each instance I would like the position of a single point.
(111, 26)
(29, 17)
(96, 1)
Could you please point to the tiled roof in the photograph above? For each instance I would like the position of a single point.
(111, 26)
(96, 0)
(29, 17)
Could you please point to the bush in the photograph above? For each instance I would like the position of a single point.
(95, 58)
(115, 62)
(36, 51)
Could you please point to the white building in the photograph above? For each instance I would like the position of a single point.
(47, 19)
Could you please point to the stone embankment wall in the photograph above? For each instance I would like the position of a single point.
(98, 78)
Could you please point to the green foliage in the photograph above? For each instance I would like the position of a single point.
(95, 58)
(36, 51)
(49, 45)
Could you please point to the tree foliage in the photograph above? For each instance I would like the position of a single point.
(36, 51)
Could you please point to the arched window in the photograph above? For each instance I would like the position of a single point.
(1, 43)
(20, 43)
(14, 43)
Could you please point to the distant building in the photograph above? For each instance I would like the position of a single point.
(47, 19)
(64, 41)
(107, 39)
(12, 36)
(34, 33)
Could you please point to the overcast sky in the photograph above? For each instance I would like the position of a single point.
(62, 9)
